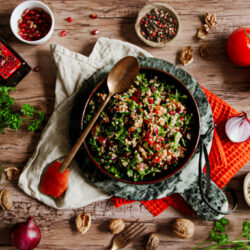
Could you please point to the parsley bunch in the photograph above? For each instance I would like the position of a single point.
(220, 238)
(13, 120)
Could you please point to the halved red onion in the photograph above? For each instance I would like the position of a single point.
(237, 128)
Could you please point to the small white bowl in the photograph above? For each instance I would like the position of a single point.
(17, 13)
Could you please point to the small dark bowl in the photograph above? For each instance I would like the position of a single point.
(191, 105)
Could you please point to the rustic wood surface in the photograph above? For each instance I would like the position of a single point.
(116, 19)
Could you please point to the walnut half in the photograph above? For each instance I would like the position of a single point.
(203, 31)
(211, 20)
(186, 55)
(83, 222)
(204, 52)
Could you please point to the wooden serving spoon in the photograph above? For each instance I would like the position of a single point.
(120, 78)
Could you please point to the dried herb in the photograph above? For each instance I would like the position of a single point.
(220, 238)
(13, 120)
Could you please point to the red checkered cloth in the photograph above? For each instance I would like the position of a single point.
(226, 158)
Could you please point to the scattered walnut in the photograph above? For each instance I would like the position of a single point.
(6, 199)
(183, 228)
(153, 241)
(204, 52)
(116, 226)
(12, 173)
(203, 31)
(210, 20)
(83, 222)
(186, 55)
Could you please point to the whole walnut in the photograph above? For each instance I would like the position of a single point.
(182, 228)
(6, 199)
(153, 241)
(116, 226)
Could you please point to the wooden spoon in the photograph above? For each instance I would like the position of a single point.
(120, 78)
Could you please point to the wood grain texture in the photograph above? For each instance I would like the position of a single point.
(116, 19)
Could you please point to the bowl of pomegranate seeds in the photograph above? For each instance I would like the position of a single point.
(157, 24)
(32, 22)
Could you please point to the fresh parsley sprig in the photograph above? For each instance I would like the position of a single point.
(13, 120)
(220, 238)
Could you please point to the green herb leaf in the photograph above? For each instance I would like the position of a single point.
(36, 122)
(28, 110)
(224, 221)
(219, 236)
(219, 227)
(11, 119)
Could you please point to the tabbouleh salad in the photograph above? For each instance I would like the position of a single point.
(142, 131)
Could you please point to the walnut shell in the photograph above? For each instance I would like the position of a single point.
(6, 199)
(183, 228)
(153, 241)
(186, 55)
(116, 226)
(12, 173)
(83, 222)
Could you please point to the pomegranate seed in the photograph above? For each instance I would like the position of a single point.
(37, 69)
(34, 21)
(171, 112)
(94, 16)
(70, 19)
(150, 100)
(95, 32)
(63, 33)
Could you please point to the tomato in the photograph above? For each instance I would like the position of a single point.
(149, 139)
(102, 140)
(238, 47)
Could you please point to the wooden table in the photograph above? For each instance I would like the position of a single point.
(116, 20)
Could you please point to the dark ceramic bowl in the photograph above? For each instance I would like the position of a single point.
(191, 105)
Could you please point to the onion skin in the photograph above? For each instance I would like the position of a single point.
(237, 128)
(25, 235)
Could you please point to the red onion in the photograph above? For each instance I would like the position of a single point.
(238, 128)
(153, 88)
(25, 235)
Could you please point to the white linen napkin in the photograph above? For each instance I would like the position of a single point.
(72, 69)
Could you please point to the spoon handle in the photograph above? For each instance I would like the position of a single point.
(84, 134)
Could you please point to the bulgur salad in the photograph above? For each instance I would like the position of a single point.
(141, 132)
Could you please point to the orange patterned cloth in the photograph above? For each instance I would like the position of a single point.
(225, 157)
